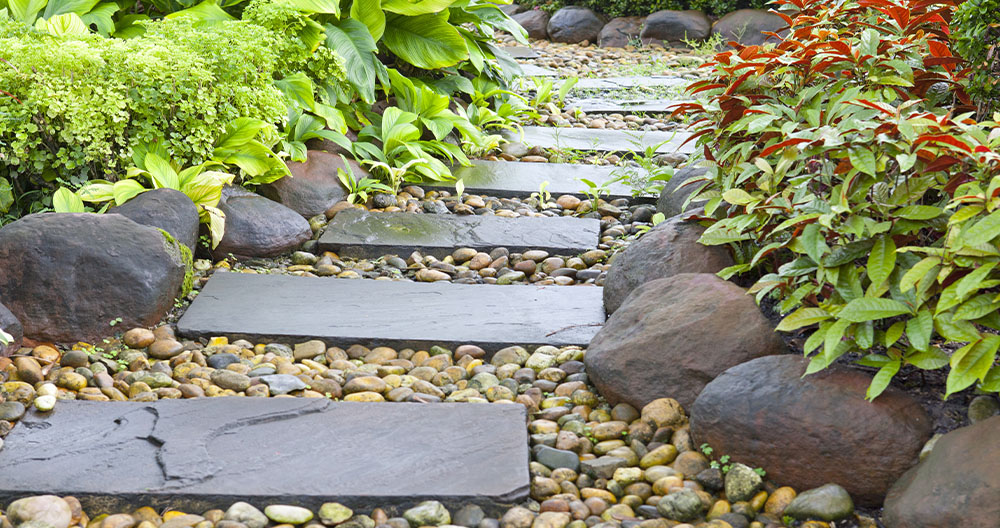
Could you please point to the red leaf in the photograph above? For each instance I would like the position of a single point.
(940, 164)
(783, 144)
(948, 140)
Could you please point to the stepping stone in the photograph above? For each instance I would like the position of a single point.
(195, 455)
(521, 52)
(509, 179)
(602, 140)
(530, 70)
(400, 314)
(621, 83)
(606, 106)
(357, 233)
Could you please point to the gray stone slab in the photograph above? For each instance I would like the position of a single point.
(602, 140)
(358, 233)
(508, 179)
(530, 70)
(195, 455)
(621, 83)
(521, 52)
(608, 106)
(342, 312)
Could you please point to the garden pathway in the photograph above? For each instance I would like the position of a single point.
(506, 179)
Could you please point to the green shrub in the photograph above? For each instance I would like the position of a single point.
(77, 105)
(871, 213)
(976, 30)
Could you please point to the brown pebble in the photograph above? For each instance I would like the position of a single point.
(139, 338)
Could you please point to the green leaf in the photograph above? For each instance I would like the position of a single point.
(239, 132)
(63, 25)
(894, 333)
(863, 160)
(355, 44)
(66, 201)
(102, 16)
(931, 359)
(868, 309)
(976, 307)
(813, 242)
(834, 336)
(369, 13)
(6, 195)
(918, 212)
(415, 7)
(919, 328)
(25, 11)
(425, 41)
(917, 272)
(207, 11)
(984, 230)
(162, 174)
(802, 317)
(216, 220)
(205, 189)
(60, 7)
(992, 381)
(125, 190)
(882, 260)
(894, 80)
(882, 378)
(331, 7)
(971, 362)
(737, 196)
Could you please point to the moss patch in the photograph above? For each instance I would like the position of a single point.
(182, 255)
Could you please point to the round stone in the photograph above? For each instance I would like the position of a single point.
(334, 513)
(139, 338)
(165, 349)
(45, 403)
(427, 513)
(41, 510)
(75, 359)
(227, 379)
(281, 513)
(11, 411)
(683, 505)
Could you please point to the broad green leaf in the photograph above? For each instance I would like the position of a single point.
(813, 242)
(425, 41)
(917, 272)
(207, 11)
(906, 161)
(918, 212)
(415, 7)
(63, 25)
(882, 260)
(254, 158)
(737, 196)
(6, 195)
(96, 191)
(894, 80)
(205, 189)
(352, 40)
(298, 89)
(369, 13)
(992, 381)
(162, 174)
(802, 317)
(216, 220)
(331, 7)
(919, 328)
(60, 7)
(893, 333)
(863, 160)
(882, 378)
(239, 132)
(976, 307)
(66, 201)
(868, 309)
(102, 17)
(125, 190)
(834, 336)
(931, 359)
(25, 11)
(984, 230)
(971, 362)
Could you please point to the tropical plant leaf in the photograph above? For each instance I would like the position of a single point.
(416, 7)
(66, 201)
(802, 317)
(354, 42)
(369, 13)
(425, 41)
(871, 309)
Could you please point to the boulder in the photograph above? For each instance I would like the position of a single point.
(258, 227)
(575, 24)
(813, 430)
(314, 186)
(511, 9)
(10, 324)
(958, 484)
(673, 27)
(167, 209)
(672, 336)
(675, 193)
(619, 32)
(669, 249)
(535, 22)
(746, 26)
(66, 276)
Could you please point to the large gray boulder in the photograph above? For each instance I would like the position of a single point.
(313, 186)
(10, 324)
(669, 249)
(573, 24)
(672, 336)
(167, 209)
(813, 430)
(258, 227)
(674, 27)
(675, 193)
(620, 32)
(958, 484)
(746, 26)
(68, 276)
(535, 22)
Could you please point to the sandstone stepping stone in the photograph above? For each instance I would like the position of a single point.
(609, 106)
(602, 140)
(196, 455)
(358, 233)
(342, 312)
(521, 52)
(508, 179)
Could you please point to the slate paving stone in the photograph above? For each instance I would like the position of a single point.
(341, 312)
(509, 179)
(195, 455)
(357, 233)
(521, 52)
(602, 140)
(530, 70)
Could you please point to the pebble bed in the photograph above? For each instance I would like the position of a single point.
(593, 464)
(592, 61)
(621, 223)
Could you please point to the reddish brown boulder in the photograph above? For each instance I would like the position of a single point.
(314, 186)
(620, 32)
(958, 484)
(535, 22)
(672, 336)
(258, 227)
(811, 431)
(669, 249)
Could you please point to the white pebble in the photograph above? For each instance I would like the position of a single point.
(47, 389)
(45, 403)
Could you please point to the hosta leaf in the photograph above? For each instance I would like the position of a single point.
(207, 11)
(331, 7)
(239, 132)
(298, 89)
(415, 7)
(971, 362)
(802, 317)
(125, 190)
(425, 41)
(59, 7)
(216, 220)
(62, 25)
(882, 378)
(25, 11)
(868, 309)
(205, 189)
(881, 260)
(97, 191)
(102, 17)
(66, 201)
(162, 174)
